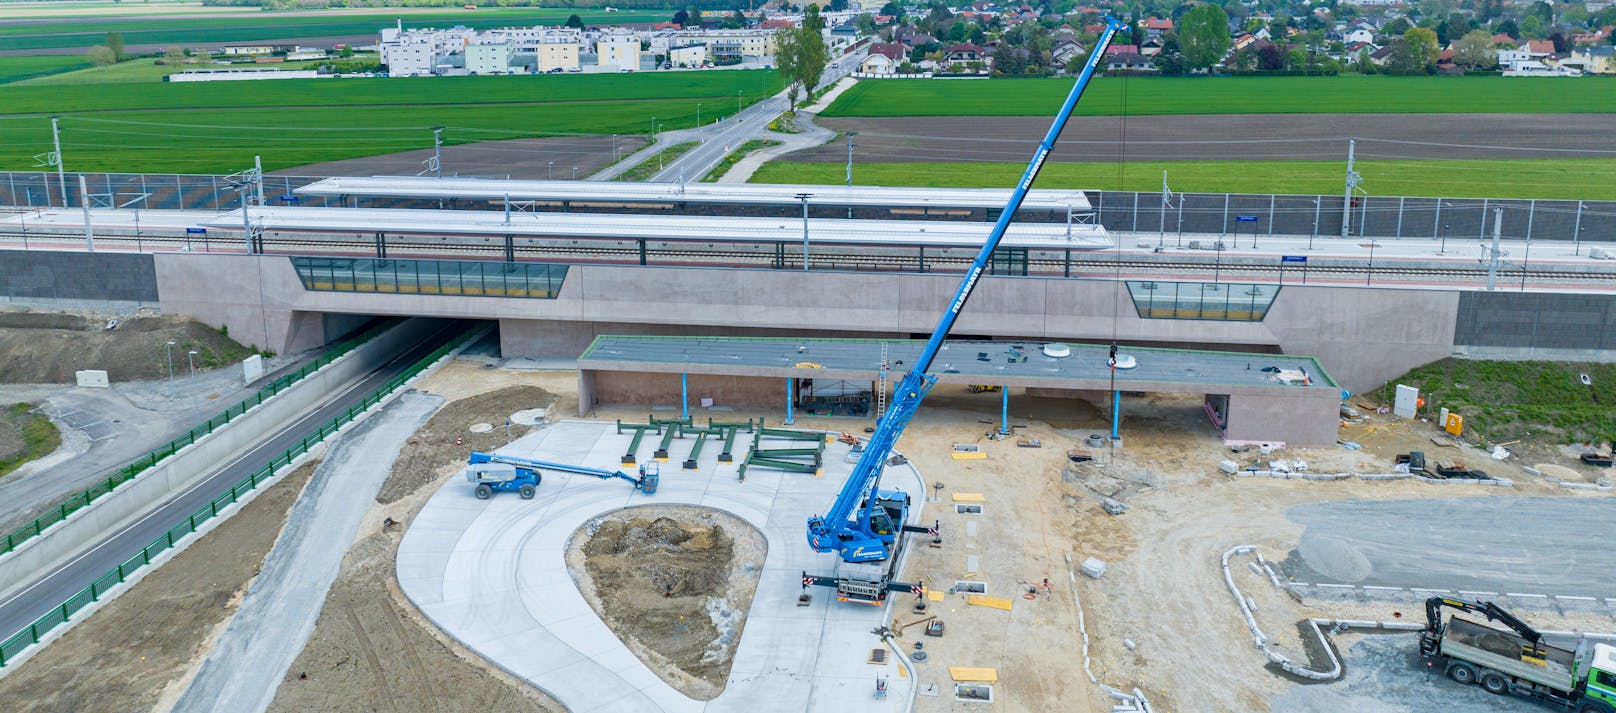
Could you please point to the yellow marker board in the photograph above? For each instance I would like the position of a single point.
(974, 455)
(969, 498)
(974, 675)
(983, 600)
(934, 595)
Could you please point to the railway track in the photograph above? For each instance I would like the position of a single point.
(788, 256)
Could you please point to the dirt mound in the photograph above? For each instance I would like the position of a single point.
(674, 583)
(47, 347)
(1334, 557)
(432, 448)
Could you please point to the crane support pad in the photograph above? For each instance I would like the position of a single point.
(983, 600)
(968, 674)
(977, 455)
(969, 498)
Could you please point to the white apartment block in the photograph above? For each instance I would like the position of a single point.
(618, 51)
(488, 57)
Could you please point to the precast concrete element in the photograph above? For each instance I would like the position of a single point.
(265, 635)
(1261, 639)
(112, 512)
(492, 574)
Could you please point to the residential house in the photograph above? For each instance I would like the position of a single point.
(1358, 33)
(1152, 46)
(1380, 57)
(1503, 40)
(1158, 25)
(1592, 60)
(773, 24)
(1066, 51)
(1128, 62)
(1600, 36)
(964, 53)
(1240, 43)
(912, 37)
(884, 58)
(1122, 49)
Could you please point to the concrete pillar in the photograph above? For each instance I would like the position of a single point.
(790, 419)
(1116, 414)
(684, 396)
(1004, 410)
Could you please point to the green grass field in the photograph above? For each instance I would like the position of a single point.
(1584, 179)
(16, 69)
(1226, 95)
(89, 31)
(1505, 400)
(220, 126)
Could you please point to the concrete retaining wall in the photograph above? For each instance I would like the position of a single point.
(133, 500)
(47, 277)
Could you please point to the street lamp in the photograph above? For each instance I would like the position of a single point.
(170, 351)
(698, 114)
(574, 173)
(549, 171)
(653, 128)
(190, 356)
(804, 198)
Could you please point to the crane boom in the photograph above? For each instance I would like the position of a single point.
(854, 526)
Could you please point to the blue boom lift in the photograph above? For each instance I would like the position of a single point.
(865, 524)
(492, 473)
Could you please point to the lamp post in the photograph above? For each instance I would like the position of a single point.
(574, 173)
(549, 171)
(698, 114)
(190, 357)
(170, 351)
(653, 128)
(804, 198)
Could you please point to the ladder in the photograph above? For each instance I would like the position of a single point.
(881, 391)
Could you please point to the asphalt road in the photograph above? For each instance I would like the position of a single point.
(55, 587)
(1486, 544)
(719, 138)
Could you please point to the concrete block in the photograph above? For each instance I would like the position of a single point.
(92, 378)
(252, 368)
(1092, 568)
(1229, 467)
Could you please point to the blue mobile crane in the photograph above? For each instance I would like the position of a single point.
(492, 472)
(865, 523)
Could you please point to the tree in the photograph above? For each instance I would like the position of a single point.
(1245, 60)
(1544, 13)
(865, 23)
(1415, 52)
(1270, 58)
(1508, 27)
(892, 9)
(347, 51)
(115, 43)
(801, 57)
(1137, 37)
(1364, 64)
(173, 55)
(838, 5)
(1203, 36)
(734, 21)
(812, 20)
(681, 18)
(101, 56)
(1560, 43)
(575, 21)
(1474, 50)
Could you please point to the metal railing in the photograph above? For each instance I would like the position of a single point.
(31, 635)
(431, 277)
(83, 498)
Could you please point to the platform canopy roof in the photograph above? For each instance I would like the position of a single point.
(959, 361)
(487, 189)
(662, 228)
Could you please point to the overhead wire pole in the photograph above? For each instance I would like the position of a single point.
(1167, 197)
(437, 148)
(61, 176)
(1353, 179)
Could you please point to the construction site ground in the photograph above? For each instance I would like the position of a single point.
(39, 347)
(1160, 618)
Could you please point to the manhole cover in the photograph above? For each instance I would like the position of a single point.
(481, 428)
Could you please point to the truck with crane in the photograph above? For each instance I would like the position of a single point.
(865, 524)
(1520, 662)
(492, 472)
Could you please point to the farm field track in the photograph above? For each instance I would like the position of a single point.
(322, 120)
(1575, 179)
(1227, 137)
(85, 32)
(1224, 95)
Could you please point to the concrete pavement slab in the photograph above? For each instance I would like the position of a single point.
(246, 665)
(502, 588)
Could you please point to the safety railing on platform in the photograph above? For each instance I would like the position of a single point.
(83, 498)
(31, 635)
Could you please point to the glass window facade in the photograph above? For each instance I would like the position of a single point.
(1223, 301)
(431, 277)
